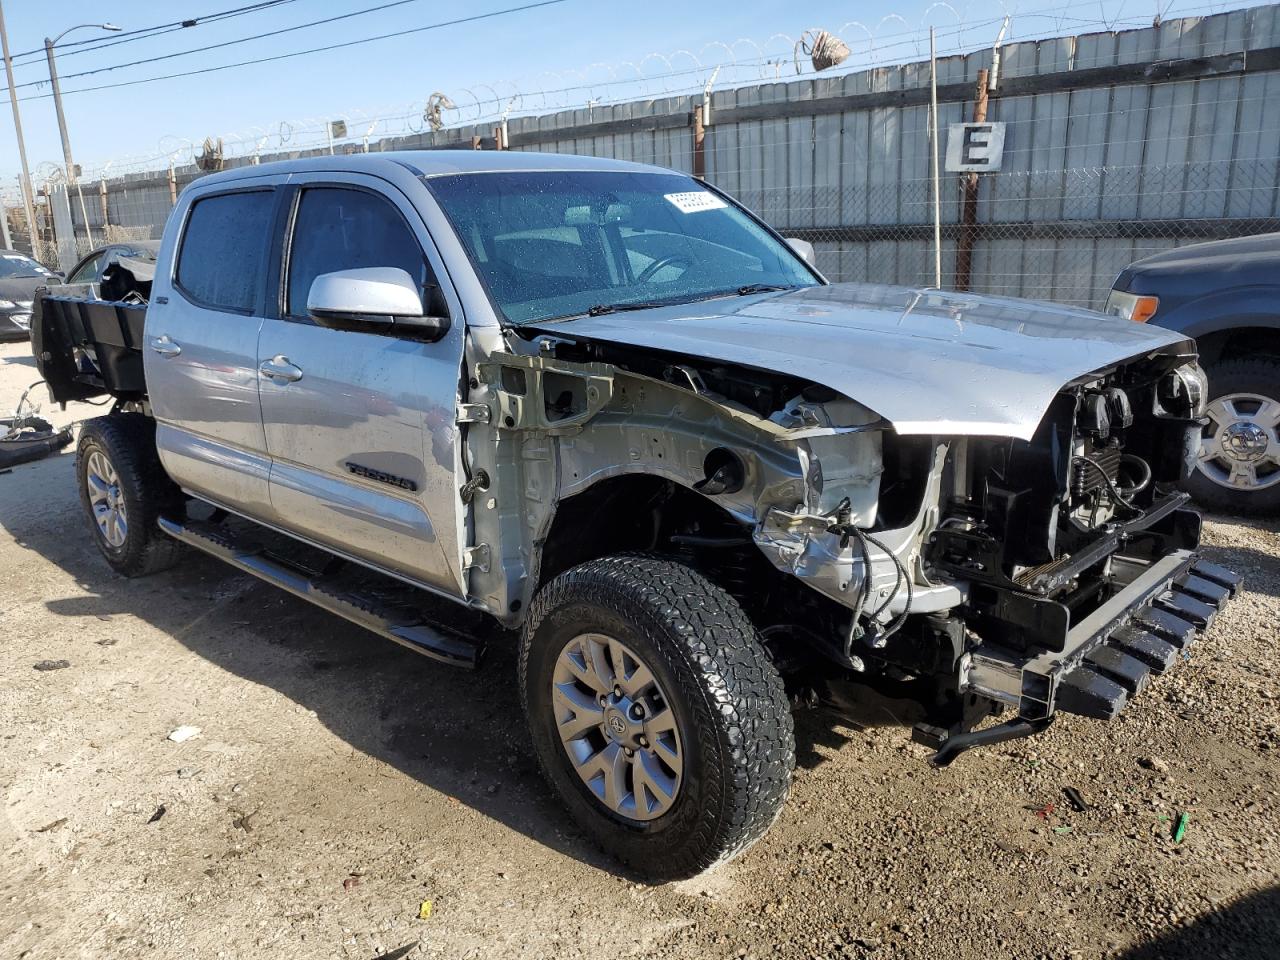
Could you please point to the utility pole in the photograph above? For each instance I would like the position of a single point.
(937, 198)
(27, 200)
(73, 178)
(969, 208)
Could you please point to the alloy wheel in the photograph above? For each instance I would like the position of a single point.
(106, 499)
(1240, 448)
(617, 727)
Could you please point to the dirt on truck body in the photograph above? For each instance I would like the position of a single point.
(603, 405)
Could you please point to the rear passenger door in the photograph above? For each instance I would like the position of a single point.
(361, 430)
(201, 349)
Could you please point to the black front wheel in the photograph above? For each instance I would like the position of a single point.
(655, 713)
(124, 490)
(1239, 466)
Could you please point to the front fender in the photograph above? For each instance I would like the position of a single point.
(1225, 310)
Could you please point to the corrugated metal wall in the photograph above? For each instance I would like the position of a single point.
(1105, 166)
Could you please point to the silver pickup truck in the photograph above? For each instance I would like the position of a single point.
(601, 404)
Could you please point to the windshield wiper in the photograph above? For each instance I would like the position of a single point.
(751, 288)
(600, 309)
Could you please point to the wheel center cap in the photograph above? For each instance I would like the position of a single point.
(1245, 441)
(620, 726)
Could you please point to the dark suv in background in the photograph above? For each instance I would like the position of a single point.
(1226, 295)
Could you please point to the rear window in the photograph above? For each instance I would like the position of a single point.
(223, 253)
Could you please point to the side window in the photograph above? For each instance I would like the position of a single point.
(88, 272)
(221, 261)
(341, 229)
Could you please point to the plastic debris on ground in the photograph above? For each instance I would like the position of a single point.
(183, 734)
(1180, 828)
(424, 910)
(160, 812)
(1076, 799)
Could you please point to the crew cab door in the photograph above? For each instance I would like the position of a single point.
(201, 343)
(360, 426)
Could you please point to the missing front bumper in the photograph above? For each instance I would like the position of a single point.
(1111, 655)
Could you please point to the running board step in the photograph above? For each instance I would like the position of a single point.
(347, 596)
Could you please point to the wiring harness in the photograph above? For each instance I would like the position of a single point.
(842, 524)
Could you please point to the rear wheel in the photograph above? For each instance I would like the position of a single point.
(655, 713)
(1239, 465)
(124, 490)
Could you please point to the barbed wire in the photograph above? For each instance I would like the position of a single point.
(655, 76)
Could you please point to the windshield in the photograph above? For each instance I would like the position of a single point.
(557, 244)
(148, 253)
(14, 265)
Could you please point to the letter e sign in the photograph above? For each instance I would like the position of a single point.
(977, 147)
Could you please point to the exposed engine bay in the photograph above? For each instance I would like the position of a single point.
(946, 562)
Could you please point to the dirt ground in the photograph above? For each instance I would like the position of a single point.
(338, 781)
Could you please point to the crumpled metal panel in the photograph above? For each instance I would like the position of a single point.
(928, 361)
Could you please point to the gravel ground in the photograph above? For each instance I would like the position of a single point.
(339, 781)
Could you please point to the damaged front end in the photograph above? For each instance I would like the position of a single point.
(983, 574)
(1052, 574)
(1078, 552)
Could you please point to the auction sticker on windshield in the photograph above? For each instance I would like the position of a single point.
(695, 201)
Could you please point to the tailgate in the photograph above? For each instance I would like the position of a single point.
(88, 348)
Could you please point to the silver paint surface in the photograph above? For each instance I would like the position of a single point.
(930, 362)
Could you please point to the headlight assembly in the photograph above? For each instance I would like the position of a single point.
(1131, 306)
(1186, 391)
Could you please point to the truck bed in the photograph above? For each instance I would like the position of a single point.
(88, 348)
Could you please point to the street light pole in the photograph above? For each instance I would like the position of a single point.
(73, 178)
(27, 200)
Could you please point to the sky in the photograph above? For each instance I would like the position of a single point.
(556, 56)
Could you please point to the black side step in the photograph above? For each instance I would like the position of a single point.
(347, 597)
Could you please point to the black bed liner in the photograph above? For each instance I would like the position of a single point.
(88, 348)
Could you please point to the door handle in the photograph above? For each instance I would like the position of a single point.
(279, 368)
(165, 347)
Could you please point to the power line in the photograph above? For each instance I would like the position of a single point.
(301, 53)
(228, 43)
(144, 33)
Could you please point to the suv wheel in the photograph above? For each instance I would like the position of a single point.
(124, 489)
(655, 713)
(1239, 466)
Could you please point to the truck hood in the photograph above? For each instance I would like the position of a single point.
(1185, 274)
(928, 361)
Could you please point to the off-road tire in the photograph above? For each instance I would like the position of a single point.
(1258, 375)
(733, 716)
(128, 441)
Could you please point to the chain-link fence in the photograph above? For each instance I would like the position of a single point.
(1116, 146)
(885, 235)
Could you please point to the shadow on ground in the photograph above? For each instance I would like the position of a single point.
(452, 730)
(447, 728)
(23, 359)
(1248, 929)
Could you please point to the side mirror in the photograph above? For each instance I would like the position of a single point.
(805, 249)
(373, 300)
